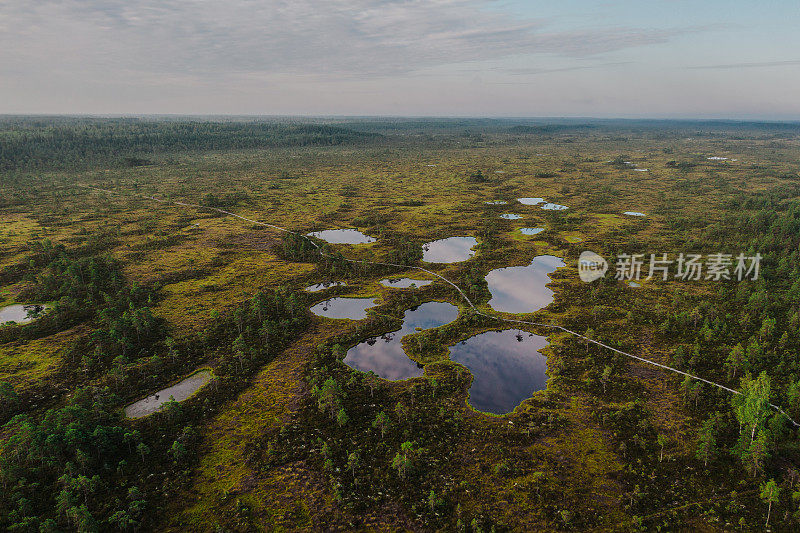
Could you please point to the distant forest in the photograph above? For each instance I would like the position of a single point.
(36, 143)
(45, 143)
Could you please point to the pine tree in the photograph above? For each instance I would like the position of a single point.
(382, 422)
(342, 418)
(735, 361)
(404, 459)
(372, 381)
(329, 397)
(756, 454)
(707, 441)
(606, 377)
(353, 461)
(662, 441)
(769, 495)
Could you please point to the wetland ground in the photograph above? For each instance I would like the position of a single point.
(288, 435)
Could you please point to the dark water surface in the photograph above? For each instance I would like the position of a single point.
(506, 365)
(385, 356)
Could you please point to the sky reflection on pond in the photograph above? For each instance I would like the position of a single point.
(522, 289)
(385, 356)
(506, 366)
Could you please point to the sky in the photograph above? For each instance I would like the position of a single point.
(736, 59)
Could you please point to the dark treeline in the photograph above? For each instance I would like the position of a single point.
(551, 125)
(45, 143)
(28, 143)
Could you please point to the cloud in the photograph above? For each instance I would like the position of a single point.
(536, 71)
(125, 39)
(760, 64)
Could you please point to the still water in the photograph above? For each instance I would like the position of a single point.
(506, 366)
(352, 308)
(522, 289)
(385, 356)
(405, 283)
(179, 391)
(449, 250)
(342, 236)
(21, 313)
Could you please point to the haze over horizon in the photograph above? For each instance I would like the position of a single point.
(452, 58)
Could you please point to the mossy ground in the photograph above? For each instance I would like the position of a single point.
(28, 363)
(206, 262)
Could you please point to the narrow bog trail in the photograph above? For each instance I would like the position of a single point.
(456, 287)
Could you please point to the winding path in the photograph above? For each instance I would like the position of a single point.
(456, 287)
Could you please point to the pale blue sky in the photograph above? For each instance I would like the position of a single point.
(645, 58)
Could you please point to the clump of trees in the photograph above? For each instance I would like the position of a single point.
(257, 329)
(89, 289)
(224, 201)
(404, 251)
(474, 283)
(56, 470)
(477, 177)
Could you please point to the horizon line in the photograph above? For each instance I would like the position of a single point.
(412, 117)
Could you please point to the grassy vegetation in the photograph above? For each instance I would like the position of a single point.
(610, 444)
